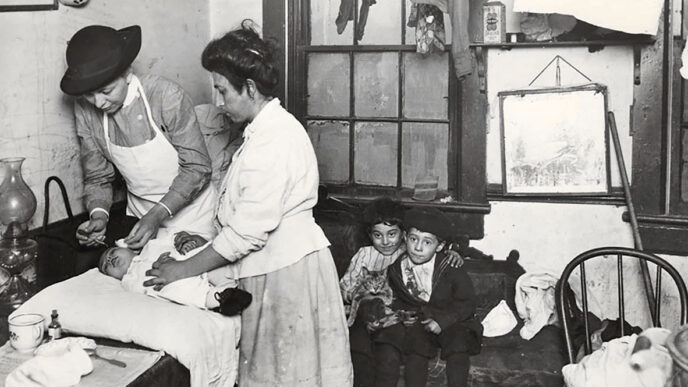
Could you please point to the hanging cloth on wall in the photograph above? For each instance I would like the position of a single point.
(429, 23)
(347, 11)
(458, 11)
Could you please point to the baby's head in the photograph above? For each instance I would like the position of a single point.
(428, 229)
(115, 261)
(383, 221)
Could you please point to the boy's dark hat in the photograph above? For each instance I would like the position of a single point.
(429, 220)
(96, 55)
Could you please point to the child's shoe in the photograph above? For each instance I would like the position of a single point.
(233, 301)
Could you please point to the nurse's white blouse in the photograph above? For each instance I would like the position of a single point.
(264, 215)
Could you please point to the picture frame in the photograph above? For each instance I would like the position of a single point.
(27, 5)
(555, 141)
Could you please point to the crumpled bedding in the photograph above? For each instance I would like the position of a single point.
(96, 305)
(615, 364)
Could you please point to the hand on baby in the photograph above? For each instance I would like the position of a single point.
(165, 270)
(185, 242)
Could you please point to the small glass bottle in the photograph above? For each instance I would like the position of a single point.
(54, 329)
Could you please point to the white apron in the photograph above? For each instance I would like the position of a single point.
(149, 169)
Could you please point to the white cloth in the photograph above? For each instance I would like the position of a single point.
(93, 304)
(149, 170)
(499, 321)
(191, 291)
(631, 16)
(369, 258)
(422, 273)
(614, 364)
(535, 302)
(265, 210)
(63, 369)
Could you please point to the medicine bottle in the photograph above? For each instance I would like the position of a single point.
(54, 329)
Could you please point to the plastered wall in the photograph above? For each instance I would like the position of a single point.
(36, 119)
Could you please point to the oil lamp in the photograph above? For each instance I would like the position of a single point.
(17, 251)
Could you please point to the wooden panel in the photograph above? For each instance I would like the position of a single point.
(273, 29)
(648, 186)
(376, 84)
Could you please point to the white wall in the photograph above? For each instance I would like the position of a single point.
(226, 15)
(36, 119)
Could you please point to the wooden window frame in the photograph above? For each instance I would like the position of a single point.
(657, 143)
(467, 132)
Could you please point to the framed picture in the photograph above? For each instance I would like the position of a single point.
(27, 5)
(554, 141)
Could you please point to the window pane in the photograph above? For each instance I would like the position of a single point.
(328, 84)
(424, 148)
(324, 28)
(376, 84)
(411, 31)
(383, 25)
(331, 142)
(375, 155)
(426, 86)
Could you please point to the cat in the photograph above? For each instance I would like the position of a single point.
(371, 286)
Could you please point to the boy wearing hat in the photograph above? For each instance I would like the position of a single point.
(145, 128)
(442, 299)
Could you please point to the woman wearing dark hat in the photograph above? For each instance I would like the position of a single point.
(145, 128)
(294, 333)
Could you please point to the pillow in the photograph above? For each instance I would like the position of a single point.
(93, 304)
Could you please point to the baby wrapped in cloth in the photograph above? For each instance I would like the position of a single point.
(215, 289)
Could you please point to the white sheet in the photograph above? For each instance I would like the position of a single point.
(632, 16)
(93, 304)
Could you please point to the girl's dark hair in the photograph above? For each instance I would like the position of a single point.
(383, 210)
(240, 55)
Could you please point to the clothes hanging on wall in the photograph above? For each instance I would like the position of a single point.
(429, 23)
(347, 11)
(458, 11)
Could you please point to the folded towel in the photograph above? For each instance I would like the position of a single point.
(62, 369)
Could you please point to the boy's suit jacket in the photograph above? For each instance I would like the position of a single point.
(451, 305)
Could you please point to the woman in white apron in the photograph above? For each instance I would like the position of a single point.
(146, 129)
(294, 332)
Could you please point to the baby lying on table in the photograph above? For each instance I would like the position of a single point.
(215, 290)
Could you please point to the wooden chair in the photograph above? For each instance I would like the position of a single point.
(564, 302)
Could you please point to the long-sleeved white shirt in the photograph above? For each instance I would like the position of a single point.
(265, 215)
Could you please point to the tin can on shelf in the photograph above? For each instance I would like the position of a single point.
(494, 22)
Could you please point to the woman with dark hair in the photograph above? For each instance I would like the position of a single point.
(294, 333)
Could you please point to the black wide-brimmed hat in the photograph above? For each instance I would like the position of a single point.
(96, 55)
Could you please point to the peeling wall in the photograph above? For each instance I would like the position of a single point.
(36, 119)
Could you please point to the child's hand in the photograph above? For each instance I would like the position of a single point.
(432, 326)
(185, 242)
(455, 259)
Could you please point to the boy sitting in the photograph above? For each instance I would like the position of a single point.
(442, 299)
(382, 219)
(214, 290)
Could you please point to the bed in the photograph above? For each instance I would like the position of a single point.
(60, 259)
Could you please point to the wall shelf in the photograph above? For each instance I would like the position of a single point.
(586, 43)
(592, 45)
